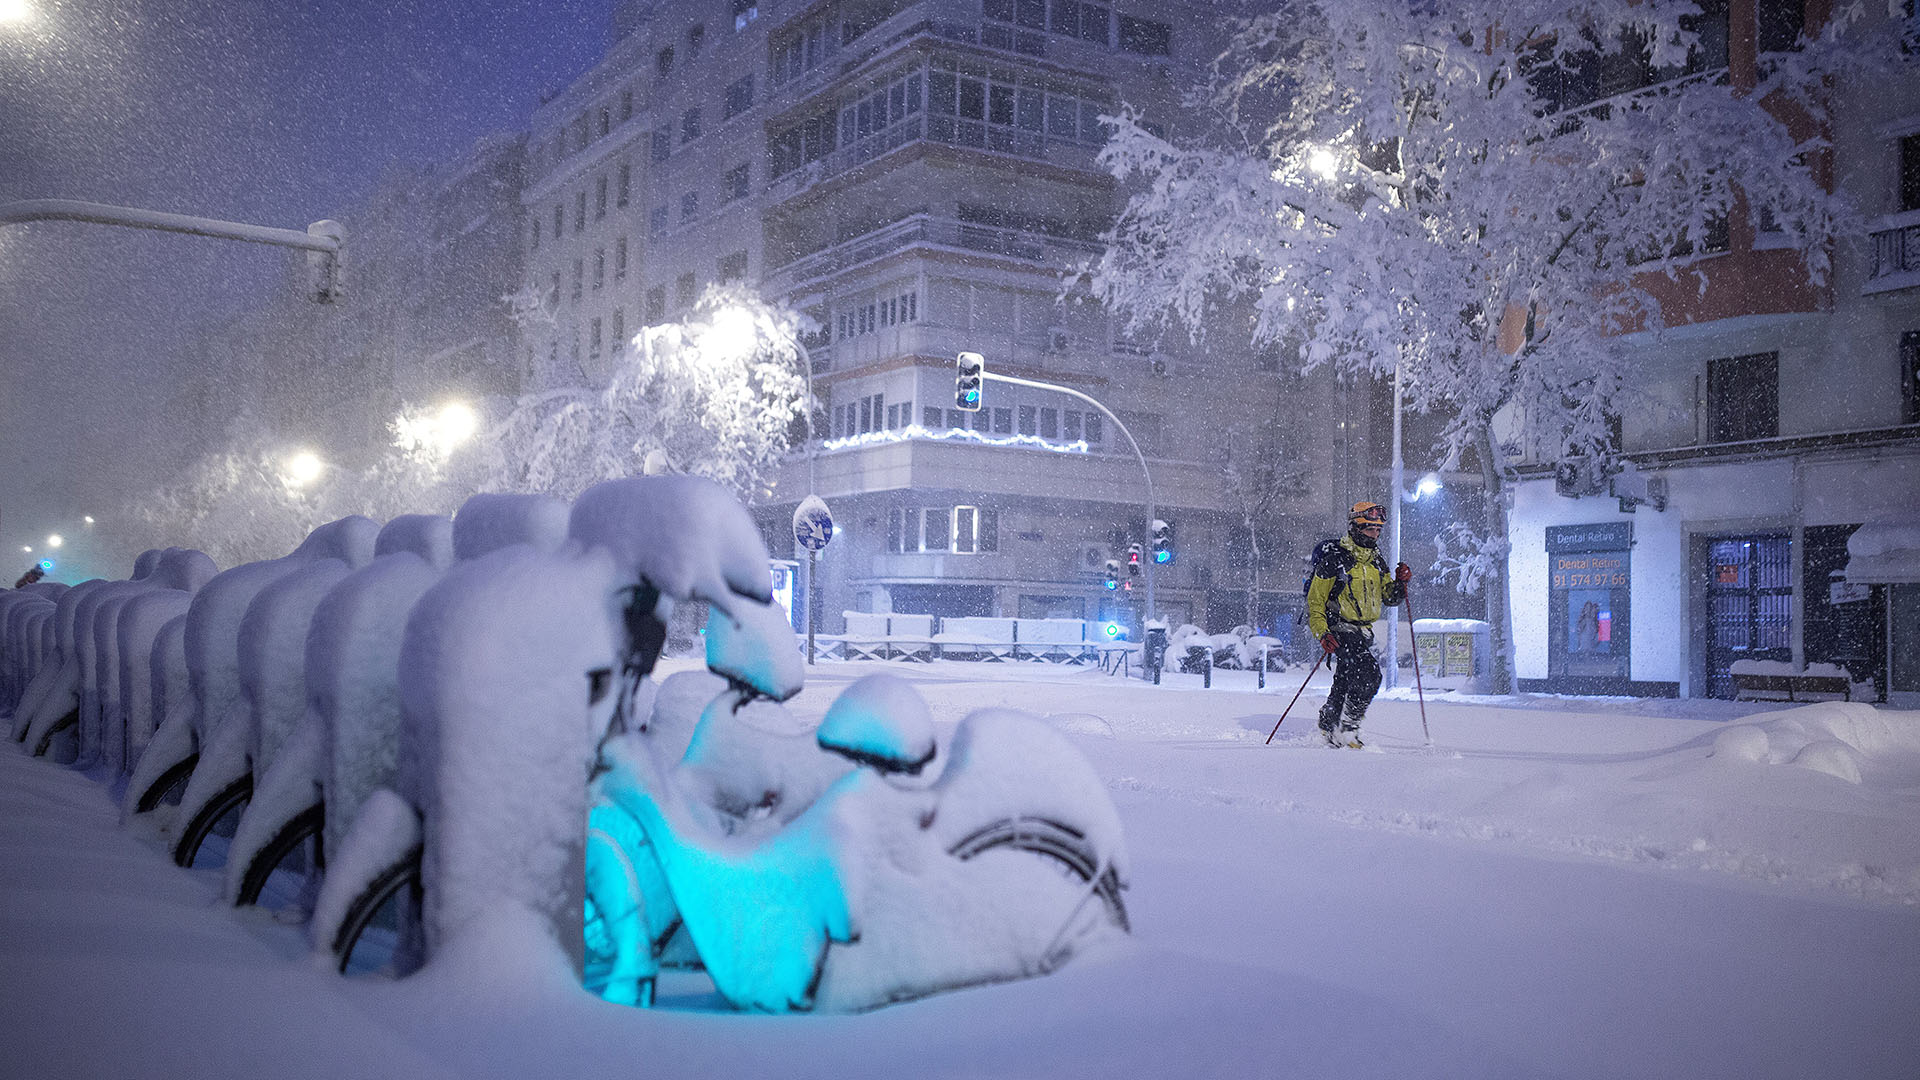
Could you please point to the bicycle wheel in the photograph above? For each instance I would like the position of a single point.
(169, 787)
(388, 885)
(1061, 843)
(230, 798)
(303, 826)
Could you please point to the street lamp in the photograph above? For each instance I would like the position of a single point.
(734, 330)
(16, 11)
(55, 540)
(302, 469)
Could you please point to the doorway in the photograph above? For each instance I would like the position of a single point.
(1749, 604)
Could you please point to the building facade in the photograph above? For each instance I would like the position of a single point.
(1786, 421)
(920, 178)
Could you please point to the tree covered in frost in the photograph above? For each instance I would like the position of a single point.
(1409, 184)
(718, 394)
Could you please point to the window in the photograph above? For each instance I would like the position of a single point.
(966, 520)
(593, 339)
(744, 12)
(1070, 426)
(696, 37)
(620, 259)
(689, 125)
(599, 267)
(736, 183)
(1049, 423)
(804, 143)
(663, 62)
(893, 529)
(553, 291)
(559, 220)
(684, 289)
(930, 417)
(1780, 24)
(733, 267)
(626, 105)
(739, 96)
(625, 193)
(662, 143)
(1093, 432)
(1910, 172)
(579, 211)
(579, 275)
(533, 236)
(600, 198)
(619, 331)
(689, 206)
(657, 222)
(1002, 420)
(1029, 420)
(935, 536)
(1910, 377)
(802, 49)
(1743, 397)
(605, 125)
(982, 420)
(1146, 37)
(885, 114)
(1075, 19)
(657, 304)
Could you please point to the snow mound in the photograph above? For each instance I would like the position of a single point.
(1833, 737)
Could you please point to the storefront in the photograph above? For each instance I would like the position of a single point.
(1881, 582)
(1589, 606)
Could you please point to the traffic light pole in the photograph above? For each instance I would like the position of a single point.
(1122, 428)
(327, 239)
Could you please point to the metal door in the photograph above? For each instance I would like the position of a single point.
(1749, 605)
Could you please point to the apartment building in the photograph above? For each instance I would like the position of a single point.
(918, 177)
(1786, 432)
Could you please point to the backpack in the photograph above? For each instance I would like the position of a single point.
(1326, 551)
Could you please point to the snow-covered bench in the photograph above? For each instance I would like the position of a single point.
(1752, 677)
(887, 636)
(1054, 641)
(975, 637)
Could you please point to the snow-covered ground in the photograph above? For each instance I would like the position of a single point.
(1559, 888)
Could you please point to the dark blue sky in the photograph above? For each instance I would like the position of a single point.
(275, 112)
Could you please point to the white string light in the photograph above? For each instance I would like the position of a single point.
(915, 431)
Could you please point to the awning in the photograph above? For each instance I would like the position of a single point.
(1884, 552)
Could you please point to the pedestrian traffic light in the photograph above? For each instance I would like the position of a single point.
(1162, 541)
(1113, 574)
(1133, 560)
(966, 389)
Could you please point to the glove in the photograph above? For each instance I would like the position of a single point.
(1329, 643)
(1402, 573)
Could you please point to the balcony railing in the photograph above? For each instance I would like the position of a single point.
(929, 231)
(1896, 253)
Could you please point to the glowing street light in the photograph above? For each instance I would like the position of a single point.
(16, 11)
(455, 425)
(56, 540)
(1324, 162)
(88, 519)
(303, 468)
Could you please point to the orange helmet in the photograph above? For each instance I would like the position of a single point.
(1369, 512)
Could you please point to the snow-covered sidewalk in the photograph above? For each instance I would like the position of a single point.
(1581, 888)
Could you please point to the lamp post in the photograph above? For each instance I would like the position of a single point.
(1393, 534)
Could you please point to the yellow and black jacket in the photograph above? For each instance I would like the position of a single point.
(1350, 585)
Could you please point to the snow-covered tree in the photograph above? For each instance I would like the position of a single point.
(717, 393)
(1262, 475)
(1433, 185)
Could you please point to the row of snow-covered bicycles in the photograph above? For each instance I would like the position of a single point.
(448, 729)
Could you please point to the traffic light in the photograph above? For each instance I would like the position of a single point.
(1133, 560)
(1162, 541)
(966, 388)
(1113, 574)
(326, 270)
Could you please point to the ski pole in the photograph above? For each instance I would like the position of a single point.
(1407, 603)
(1296, 697)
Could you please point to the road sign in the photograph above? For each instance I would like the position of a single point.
(812, 523)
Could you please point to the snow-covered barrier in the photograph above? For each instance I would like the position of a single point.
(1834, 737)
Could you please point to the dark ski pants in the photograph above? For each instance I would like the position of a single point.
(1356, 678)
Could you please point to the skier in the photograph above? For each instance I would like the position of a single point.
(1349, 585)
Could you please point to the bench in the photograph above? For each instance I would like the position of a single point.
(887, 636)
(1751, 677)
(1052, 641)
(975, 637)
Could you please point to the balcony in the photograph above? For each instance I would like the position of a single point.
(1895, 263)
(936, 233)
